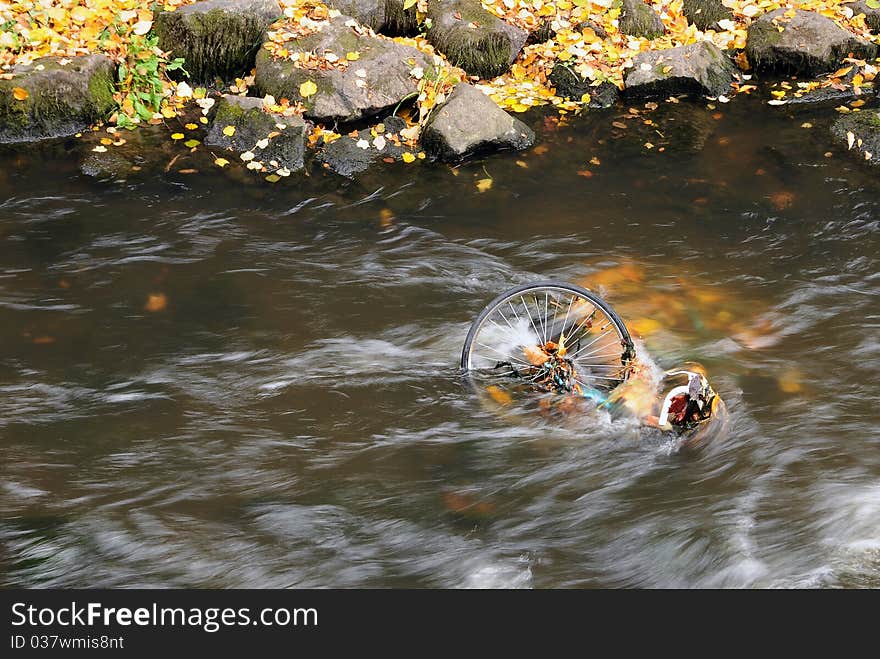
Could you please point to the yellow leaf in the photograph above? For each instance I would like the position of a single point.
(352, 56)
(191, 143)
(168, 113)
(484, 184)
(221, 162)
(499, 395)
(177, 136)
(273, 178)
(308, 88)
(229, 131)
(408, 157)
(408, 3)
(191, 126)
(20, 94)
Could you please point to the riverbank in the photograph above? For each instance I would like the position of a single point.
(350, 85)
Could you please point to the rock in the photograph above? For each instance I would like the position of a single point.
(639, 20)
(252, 125)
(385, 16)
(107, 166)
(473, 38)
(367, 12)
(569, 84)
(379, 80)
(872, 15)
(705, 14)
(865, 130)
(400, 21)
(699, 68)
(64, 96)
(469, 121)
(346, 158)
(809, 44)
(216, 38)
(830, 96)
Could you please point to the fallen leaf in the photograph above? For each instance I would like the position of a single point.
(177, 136)
(20, 94)
(156, 302)
(308, 88)
(229, 131)
(484, 184)
(221, 162)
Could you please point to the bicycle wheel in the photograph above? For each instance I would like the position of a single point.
(552, 336)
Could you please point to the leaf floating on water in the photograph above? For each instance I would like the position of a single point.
(100, 149)
(156, 302)
(221, 162)
(188, 171)
(499, 395)
(308, 88)
(484, 184)
(192, 144)
(191, 126)
(20, 94)
(850, 138)
(273, 178)
(586, 173)
(408, 157)
(177, 136)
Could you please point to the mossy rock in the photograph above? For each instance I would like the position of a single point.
(865, 129)
(379, 80)
(216, 38)
(470, 122)
(700, 68)
(472, 38)
(805, 43)
(639, 20)
(64, 96)
(346, 158)
(286, 135)
(705, 14)
(400, 21)
(570, 85)
(387, 17)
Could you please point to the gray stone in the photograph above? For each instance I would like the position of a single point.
(286, 135)
(705, 14)
(367, 12)
(216, 38)
(468, 122)
(569, 84)
(379, 80)
(865, 129)
(473, 38)
(872, 15)
(63, 99)
(699, 68)
(809, 44)
(346, 158)
(639, 20)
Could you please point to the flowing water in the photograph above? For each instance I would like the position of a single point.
(210, 382)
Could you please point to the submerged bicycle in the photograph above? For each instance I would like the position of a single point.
(563, 340)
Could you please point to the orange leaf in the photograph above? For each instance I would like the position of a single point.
(20, 94)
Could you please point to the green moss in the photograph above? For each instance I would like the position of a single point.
(400, 21)
(638, 19)
(705, 14)
(214, 43)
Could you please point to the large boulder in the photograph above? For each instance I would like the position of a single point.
(468, 122)
(639, 20)
(569, 84)
(216, 38)
(379, 79)
(860, 132)
(872, 14)
(698, 68)
(705, 14)
(285, 135)
(801, 43)
(350, 155)
(54, 97)
(473, 38)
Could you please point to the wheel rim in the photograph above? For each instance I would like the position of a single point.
(552, 336)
